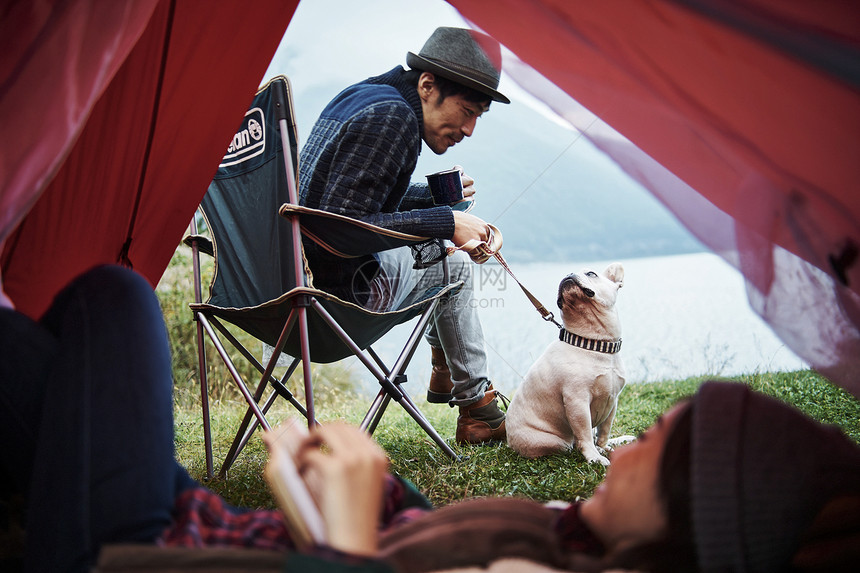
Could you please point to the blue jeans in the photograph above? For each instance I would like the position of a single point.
(454, 327)
(86, 419)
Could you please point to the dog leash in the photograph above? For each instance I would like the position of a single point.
(603, 346)
(481, 251)
(544, 313)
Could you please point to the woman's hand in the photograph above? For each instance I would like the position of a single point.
(345, 472)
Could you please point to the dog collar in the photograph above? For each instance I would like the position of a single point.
(605, 346)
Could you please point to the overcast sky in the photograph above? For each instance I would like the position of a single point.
(344, 41)
(331, 44)
(348, 40)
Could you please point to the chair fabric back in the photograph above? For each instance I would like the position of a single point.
(253, 244)
(254, 284)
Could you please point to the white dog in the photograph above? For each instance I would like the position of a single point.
(572, 389)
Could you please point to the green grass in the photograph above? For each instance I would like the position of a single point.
(483, 471)
(493, 469)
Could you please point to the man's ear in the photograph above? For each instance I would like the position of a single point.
(426, 85)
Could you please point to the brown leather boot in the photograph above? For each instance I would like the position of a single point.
(440, 388)
(481, 421)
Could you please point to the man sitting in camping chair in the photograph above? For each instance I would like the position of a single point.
(358, 162)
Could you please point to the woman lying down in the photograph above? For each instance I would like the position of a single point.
(729, 480)
(726, 481)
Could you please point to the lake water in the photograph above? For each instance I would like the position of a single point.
(682, 316)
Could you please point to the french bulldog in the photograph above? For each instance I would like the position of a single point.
(570, 394)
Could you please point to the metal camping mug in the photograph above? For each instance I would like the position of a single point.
(446, 187)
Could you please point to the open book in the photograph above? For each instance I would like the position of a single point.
(303, 518)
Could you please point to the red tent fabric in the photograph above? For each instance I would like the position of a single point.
(115, 115)
(743, 117)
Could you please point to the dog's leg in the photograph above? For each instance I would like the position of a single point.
(579, 419)
(604, 428)
(537, 444)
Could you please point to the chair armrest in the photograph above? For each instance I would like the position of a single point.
(344, 236)
(204, 245)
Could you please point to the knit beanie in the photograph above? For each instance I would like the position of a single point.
(761, 470)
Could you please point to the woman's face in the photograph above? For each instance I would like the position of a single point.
(626, 509)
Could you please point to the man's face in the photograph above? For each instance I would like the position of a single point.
(446, 123)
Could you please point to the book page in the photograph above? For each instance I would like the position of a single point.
(302, 515)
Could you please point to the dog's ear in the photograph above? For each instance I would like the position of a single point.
(615, 273)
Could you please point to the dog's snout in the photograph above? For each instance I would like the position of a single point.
(566, 282)
(562, 286)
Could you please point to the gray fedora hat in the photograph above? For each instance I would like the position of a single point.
(464, 56)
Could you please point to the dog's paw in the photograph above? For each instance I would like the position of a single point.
(619, 441)
(598, 459)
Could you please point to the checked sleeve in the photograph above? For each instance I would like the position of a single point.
(370, 160)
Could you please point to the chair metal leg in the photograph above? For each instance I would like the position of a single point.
(279, 388)
(378, 418)
(375, 412)
(297, 314)
(201, 353)
(277, 384)
(380, 403)
(389, 387)
(254, 408)
(232, 369)
(306, 363)
(204, 402)
(246, 436)
(253, 401)
(283, 391)
(377, 409)
(428, 428)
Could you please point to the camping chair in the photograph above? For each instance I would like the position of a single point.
(262, 284)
